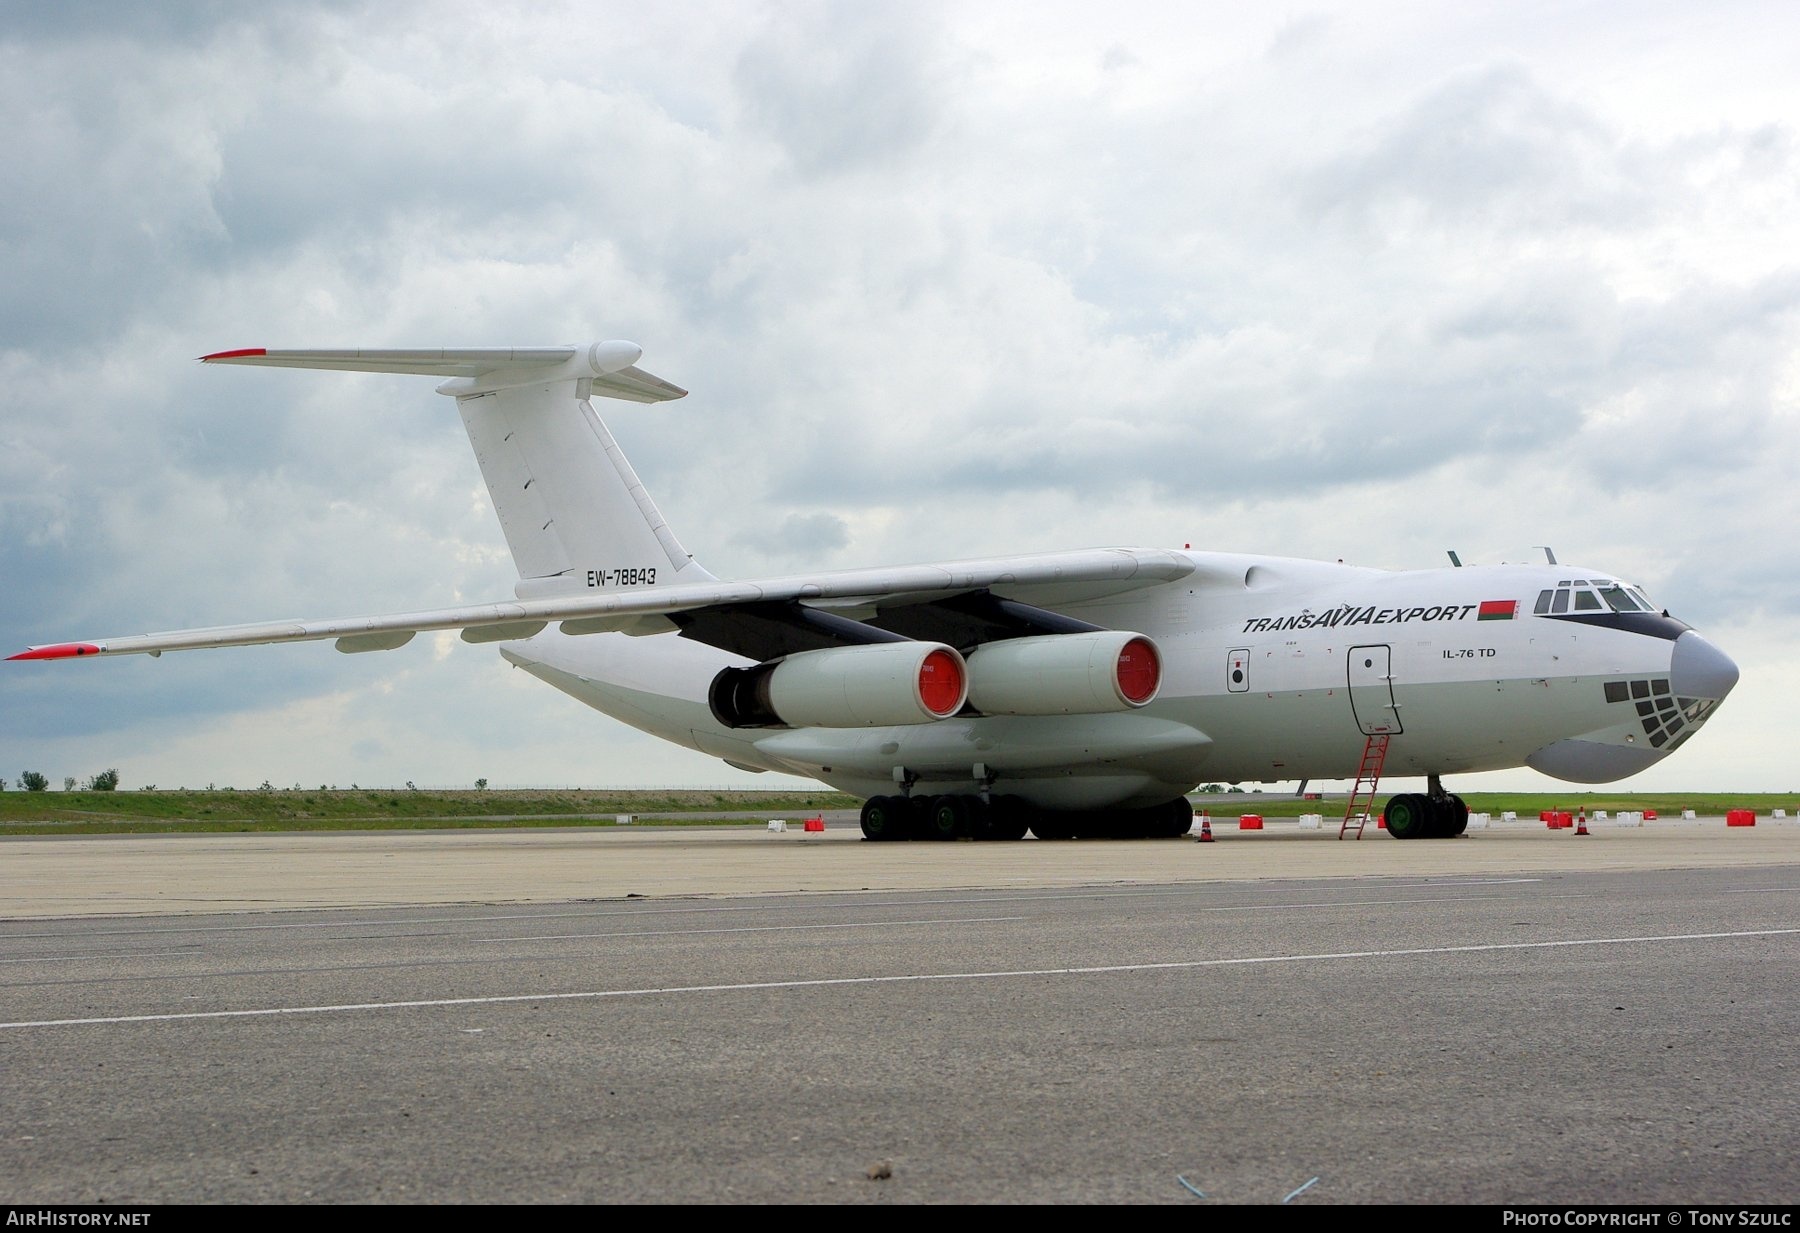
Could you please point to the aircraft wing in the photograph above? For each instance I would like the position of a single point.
(801, 609)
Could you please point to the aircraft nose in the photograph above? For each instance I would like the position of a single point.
(1698, 669)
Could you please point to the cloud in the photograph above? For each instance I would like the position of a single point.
(800, 538)
(1490, 148)
(840, 87)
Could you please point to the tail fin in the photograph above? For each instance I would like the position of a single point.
(574, 513)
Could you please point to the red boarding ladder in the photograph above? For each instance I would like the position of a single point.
(1374, 756)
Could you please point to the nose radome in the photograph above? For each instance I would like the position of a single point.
(1698, 669)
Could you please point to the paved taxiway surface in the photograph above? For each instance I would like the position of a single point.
(83, 875)
(737, 1016)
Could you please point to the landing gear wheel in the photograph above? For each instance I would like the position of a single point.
(1459, 817)
(1009, 817)
(1408, 816)
(946, 817)
(1138, 823)
(1110, 824)
(979, 815)
(1448, 817)
(886, 817)
(1178, 820)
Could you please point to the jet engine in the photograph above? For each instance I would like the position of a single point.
(844, 687)
(1065, 674)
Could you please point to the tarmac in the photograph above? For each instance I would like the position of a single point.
(201, 873)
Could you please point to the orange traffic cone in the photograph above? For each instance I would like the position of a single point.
(1581, 822)
(1205, 827)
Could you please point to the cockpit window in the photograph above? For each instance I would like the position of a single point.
(1606, 595)
(1620, 600)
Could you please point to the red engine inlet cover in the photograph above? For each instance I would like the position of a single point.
(1140, 670)
(941, 683)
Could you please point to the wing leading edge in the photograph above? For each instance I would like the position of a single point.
(1045, 578)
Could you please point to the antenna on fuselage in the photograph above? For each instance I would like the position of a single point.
(1454, 559)
(1548, 555)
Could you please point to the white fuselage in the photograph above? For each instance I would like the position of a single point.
(1273, 669)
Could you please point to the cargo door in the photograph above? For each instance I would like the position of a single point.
(1372, 690)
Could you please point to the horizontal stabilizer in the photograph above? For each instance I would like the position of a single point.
(425, 362)
(609, 366)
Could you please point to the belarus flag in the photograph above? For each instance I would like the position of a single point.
(1498, 610)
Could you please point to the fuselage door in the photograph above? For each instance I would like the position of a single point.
(1372, 690)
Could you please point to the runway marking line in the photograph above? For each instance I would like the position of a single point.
(753, 986)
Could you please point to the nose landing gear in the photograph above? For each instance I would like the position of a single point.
(1432, 814)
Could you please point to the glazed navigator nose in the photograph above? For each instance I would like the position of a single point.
(1698, 669)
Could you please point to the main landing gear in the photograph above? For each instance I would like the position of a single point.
(1432, 814)
(1009, 817)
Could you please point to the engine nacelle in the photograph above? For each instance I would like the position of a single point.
(1065, 674)
(844, 687)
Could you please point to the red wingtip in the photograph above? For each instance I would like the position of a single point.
(232, 355)
(61, 650)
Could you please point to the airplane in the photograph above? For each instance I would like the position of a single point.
(1075, 694)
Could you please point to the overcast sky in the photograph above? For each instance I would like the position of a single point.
(1365, 281)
